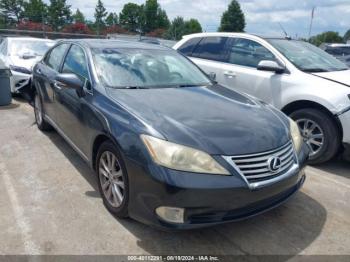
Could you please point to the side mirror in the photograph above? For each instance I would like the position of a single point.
(271, 66)
(212, 76)
(71, 81)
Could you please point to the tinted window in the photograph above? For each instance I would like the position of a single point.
(54, 59)
(188, 46)
(76, 62)
(211, 48)
(246, 52)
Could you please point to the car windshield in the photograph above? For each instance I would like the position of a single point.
(142, 68)
(307, 57)
(32, 47)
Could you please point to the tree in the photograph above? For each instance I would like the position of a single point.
(347, 36)
(59, 14)
(79, 17)
(100, 14)
(112, 19)
(192, 26)
(177, 29)
(154, 17)
(12, 10)
(35, 11)
(233, 19)
(130, 17)
(326, 37)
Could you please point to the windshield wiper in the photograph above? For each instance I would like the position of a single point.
(129, 87)
(315, 70)
(190, 85)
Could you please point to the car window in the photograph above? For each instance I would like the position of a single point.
(54, 59)
(211, 48)
(188, 46)
(249, 53)
(3, 48)
(76, 62)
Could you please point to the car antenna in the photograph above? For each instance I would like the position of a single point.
(284, 32)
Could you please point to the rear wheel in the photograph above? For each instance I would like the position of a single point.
(320, 133)
(113, 179)
(39, 114)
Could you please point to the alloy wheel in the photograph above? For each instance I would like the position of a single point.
(313, 135)
(111, 179)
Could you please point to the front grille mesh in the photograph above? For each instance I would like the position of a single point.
(255, 167)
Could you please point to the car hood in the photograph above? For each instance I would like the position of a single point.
(342, 77)
(213, 119)
(26, 63)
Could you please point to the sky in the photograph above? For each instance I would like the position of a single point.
(262, 16)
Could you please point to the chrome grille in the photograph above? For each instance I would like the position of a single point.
(255, 167)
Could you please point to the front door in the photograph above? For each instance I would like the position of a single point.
(70, 105)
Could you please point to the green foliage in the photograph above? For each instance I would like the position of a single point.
(35, 11)
(12, 10)
(233, 19)
(112, 19)
(79, 17)
(59, 14)
(326, 37)
(153, 17)
(179, 27)
(347, 36)
(131, 17)
(100, 14)
(192, 26)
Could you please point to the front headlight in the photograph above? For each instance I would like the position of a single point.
(181, 158)
(295, 134)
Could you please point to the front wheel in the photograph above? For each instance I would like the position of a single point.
(320, 133)
(113, 179)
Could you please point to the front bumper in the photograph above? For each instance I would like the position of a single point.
(18, 80)
(207, 199)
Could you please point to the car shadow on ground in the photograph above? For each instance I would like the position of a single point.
(286, 230)
(339, 167)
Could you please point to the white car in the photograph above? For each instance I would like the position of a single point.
(306, 83)
(20, 54)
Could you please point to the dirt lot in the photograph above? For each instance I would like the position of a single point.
(49, 204)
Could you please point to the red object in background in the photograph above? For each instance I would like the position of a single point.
(33, 26)
(77, 28)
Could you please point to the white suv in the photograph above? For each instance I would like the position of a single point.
(300, 79)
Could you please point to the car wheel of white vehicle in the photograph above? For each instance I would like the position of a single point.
(113, 180)
(39, 114)
(320, 133)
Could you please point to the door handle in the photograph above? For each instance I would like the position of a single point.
(230, 74)
(39, 71)
(57, 85)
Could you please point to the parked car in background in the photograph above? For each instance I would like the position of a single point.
(302, 80)
(20, 54)
(169, 147)
(340, 51)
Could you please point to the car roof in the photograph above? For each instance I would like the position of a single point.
(108, 43)
(228, 34)
(28, 38)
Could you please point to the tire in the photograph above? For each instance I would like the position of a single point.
(318, 123)
(39, 114)
(112, 185)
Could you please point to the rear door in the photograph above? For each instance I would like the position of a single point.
(44, 74)
(209, 54)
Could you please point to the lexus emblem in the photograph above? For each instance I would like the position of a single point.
(274, 164)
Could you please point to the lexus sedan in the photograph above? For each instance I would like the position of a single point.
(170, 147)
(20, 54)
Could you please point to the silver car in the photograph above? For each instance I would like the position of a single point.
(20, 54)
(303, 81)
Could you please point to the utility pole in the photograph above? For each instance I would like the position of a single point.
(311, 21)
